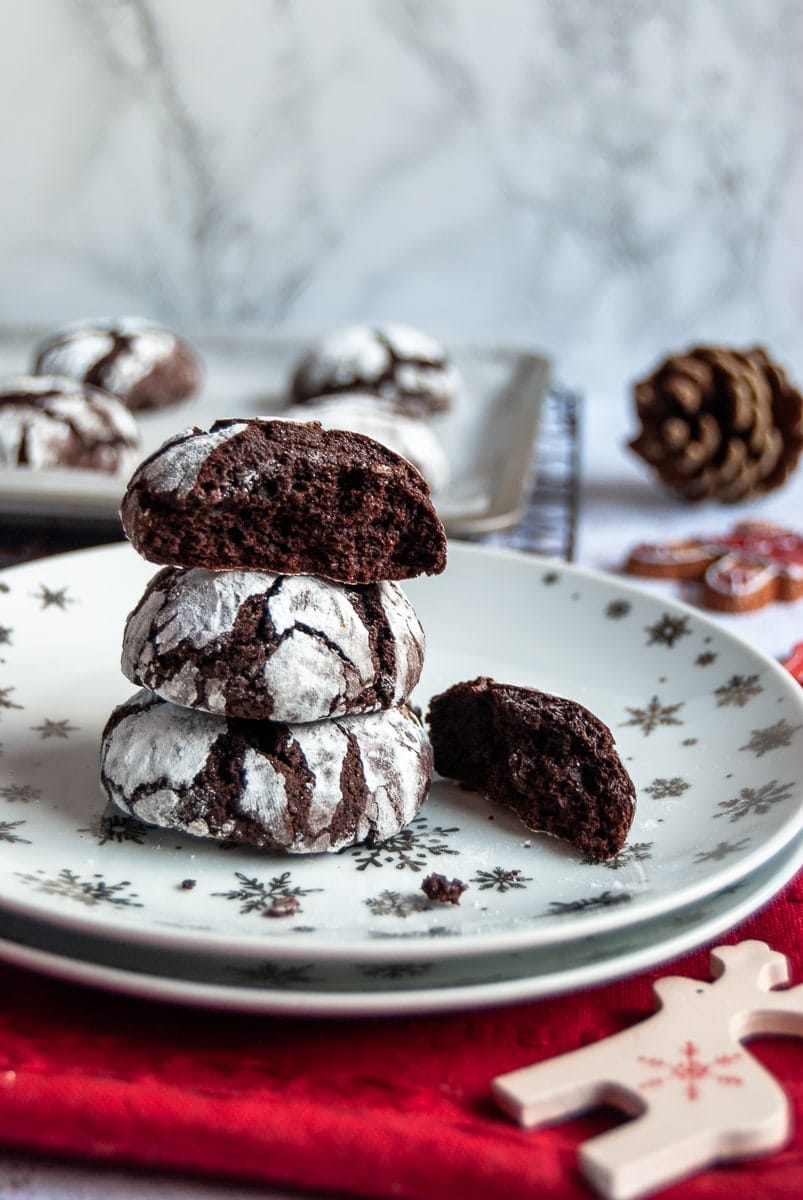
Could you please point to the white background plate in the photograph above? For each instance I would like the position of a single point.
(710, 729)
(488, 436)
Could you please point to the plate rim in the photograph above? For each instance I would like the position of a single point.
(386, 1002)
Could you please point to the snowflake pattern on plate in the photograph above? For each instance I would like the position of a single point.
(396, 904)
(5, 698)
(633, 659)
(605, 899)
(762, 741)
(115, 826)
(667, 630)
(408, 850)
(255, 896)
(7, 833)
(720, 851)
(54, 597)
(632, 852)
(22, 792)
(739, 689)
(277, 975)
(68, 886)
(661, 789)
(654, 714)
(755, 800)
(501, 879)
(57, 729)
(396, 970)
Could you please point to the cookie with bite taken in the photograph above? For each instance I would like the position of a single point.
(286, 497)
(547, 758)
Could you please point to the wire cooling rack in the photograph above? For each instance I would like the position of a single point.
(549, 524)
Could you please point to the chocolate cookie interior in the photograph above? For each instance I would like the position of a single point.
(284, 496)
(547, 758)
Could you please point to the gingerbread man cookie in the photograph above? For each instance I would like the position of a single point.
(757, 563)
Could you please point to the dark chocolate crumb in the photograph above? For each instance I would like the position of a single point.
(283, 906)
(445, 891)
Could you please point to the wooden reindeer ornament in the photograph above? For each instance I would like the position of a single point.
(697, 1095)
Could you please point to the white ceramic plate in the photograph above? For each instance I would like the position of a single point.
(390, 987)
(488, 436)
(710, 729)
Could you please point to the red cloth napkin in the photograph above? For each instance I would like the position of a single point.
(361, 1107)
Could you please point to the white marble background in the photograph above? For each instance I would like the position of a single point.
(605, 180)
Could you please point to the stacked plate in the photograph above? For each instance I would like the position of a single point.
(710, 729)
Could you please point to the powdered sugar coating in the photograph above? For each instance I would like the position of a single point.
(406, 342)
(321, 787)
(349, 355)
(77, 355)
(49, 421)
(303, 649)
(137, 754)
(175, 466)
(122, 355)
(378, 419)
(406, 367)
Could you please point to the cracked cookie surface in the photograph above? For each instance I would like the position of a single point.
(302, 789)
(286, 647)
(145, 365)
(401, 365)
(47, 421)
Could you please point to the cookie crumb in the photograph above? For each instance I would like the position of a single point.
(445, 891)
(283, 906)
(187, 885)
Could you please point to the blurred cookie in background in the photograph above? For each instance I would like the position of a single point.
(145, 365)
(405, 367)
(49, 421)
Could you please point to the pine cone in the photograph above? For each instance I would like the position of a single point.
(719, 424)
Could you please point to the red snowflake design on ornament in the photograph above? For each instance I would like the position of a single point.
(689, 1069)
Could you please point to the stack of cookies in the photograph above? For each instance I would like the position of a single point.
(275, 650)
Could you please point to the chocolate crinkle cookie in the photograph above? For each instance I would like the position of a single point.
(285, 647)
(143, 364)
(402, 365)
(286, 497)
(303, 789)
(48, 421)
(547, 758)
